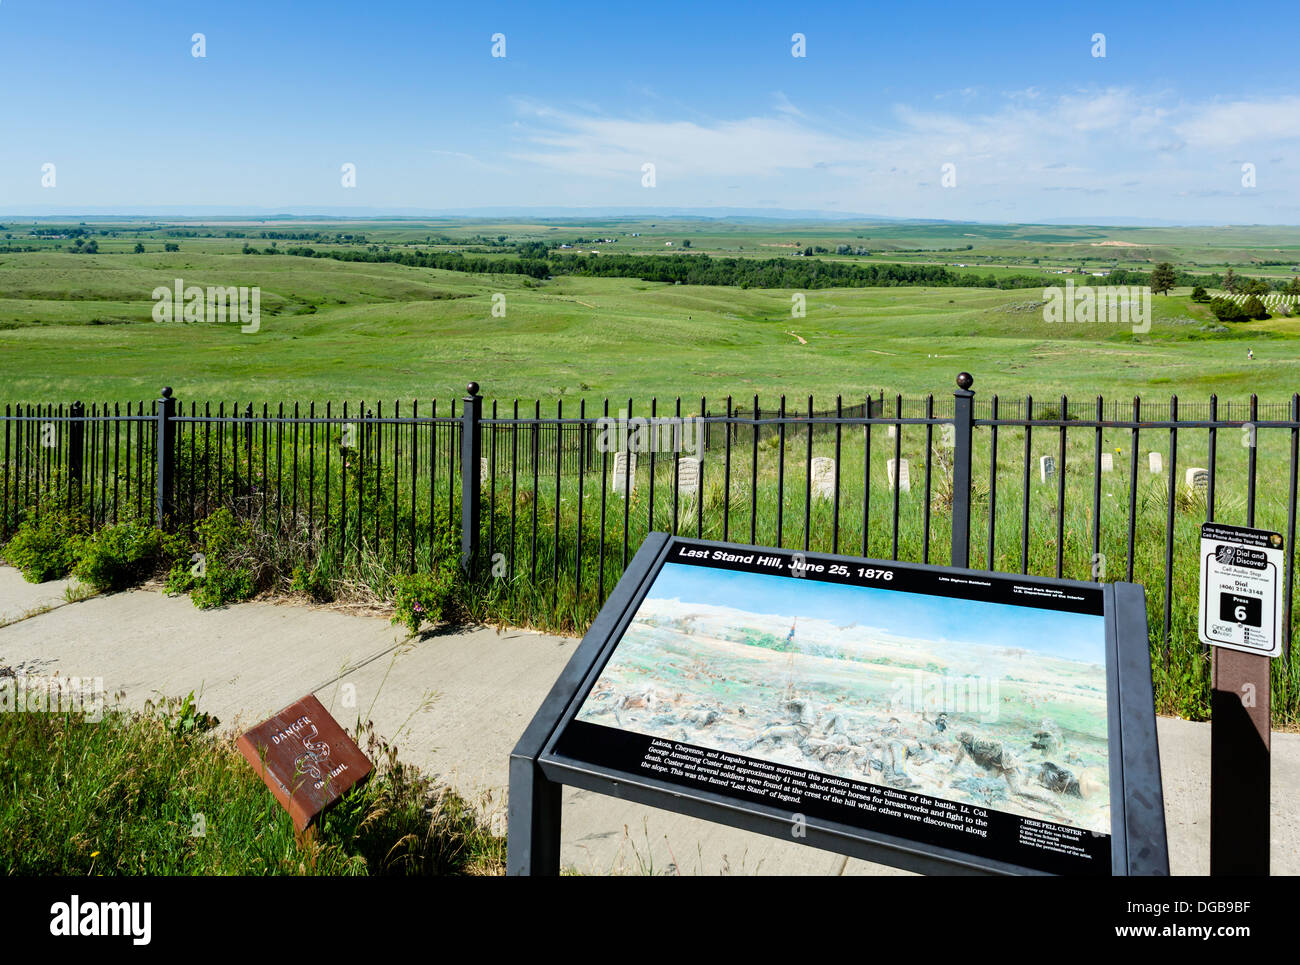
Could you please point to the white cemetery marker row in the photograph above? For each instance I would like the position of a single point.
(688, 474)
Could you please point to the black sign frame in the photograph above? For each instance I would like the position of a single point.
(538, 771)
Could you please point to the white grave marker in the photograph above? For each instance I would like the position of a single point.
(619, 480)
(1107, 462)
(1196, 479)
(1046, 468)
(688, 476)
(1156, 462)
(823, 477)
(904, 479)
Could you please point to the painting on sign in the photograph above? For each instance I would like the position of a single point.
(979, 703)
(305, 758)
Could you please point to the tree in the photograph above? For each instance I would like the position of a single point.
(171, 246)
(686, 243)
(1226, 310)
(1254, 308)
(1230, 282)
(1163, 278)
(1198, 294)
(139, 247)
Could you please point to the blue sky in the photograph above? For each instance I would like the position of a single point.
(288, 92)
(1076, 636)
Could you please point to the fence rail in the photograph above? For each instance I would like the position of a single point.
(1096, 489)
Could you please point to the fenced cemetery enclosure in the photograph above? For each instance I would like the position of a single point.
(546, 504)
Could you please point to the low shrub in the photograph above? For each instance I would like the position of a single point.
(120, 556)
(220, 570)
(315, 580)
(47, 547)
(424, 597)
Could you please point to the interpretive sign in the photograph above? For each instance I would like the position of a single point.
(1241, 574)
(305, 758)
(928, 717)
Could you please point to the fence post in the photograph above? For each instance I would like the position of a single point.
(165, 456)
(76, 444)
(470, 495)
(962, 421)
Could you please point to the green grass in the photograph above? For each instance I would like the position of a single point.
(154, 794)
(79, 326)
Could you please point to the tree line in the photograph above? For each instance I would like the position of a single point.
(536, 260)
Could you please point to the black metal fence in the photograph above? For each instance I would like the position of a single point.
(561, 500)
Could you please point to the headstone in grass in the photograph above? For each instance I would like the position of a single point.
(900, 474)
(1046, 468)
(1156, 462)
(822, 474)
(1196, 479)
(305, 758)
(893, 431)
(1107, 462)
(484, 472)
(619, 480)
(688, 476)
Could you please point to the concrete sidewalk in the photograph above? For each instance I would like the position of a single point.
(456, 703)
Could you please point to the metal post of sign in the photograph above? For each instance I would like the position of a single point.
(1239, 763)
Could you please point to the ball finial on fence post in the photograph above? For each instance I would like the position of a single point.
(167, 392)
(472, 388)
(965, 380)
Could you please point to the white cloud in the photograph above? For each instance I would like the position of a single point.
(1224, 125)
(1125, 145)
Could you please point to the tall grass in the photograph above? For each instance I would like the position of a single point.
(150, 794)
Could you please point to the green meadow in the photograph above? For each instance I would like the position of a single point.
(80, 326)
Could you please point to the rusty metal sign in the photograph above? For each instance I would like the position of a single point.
(305, 758)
